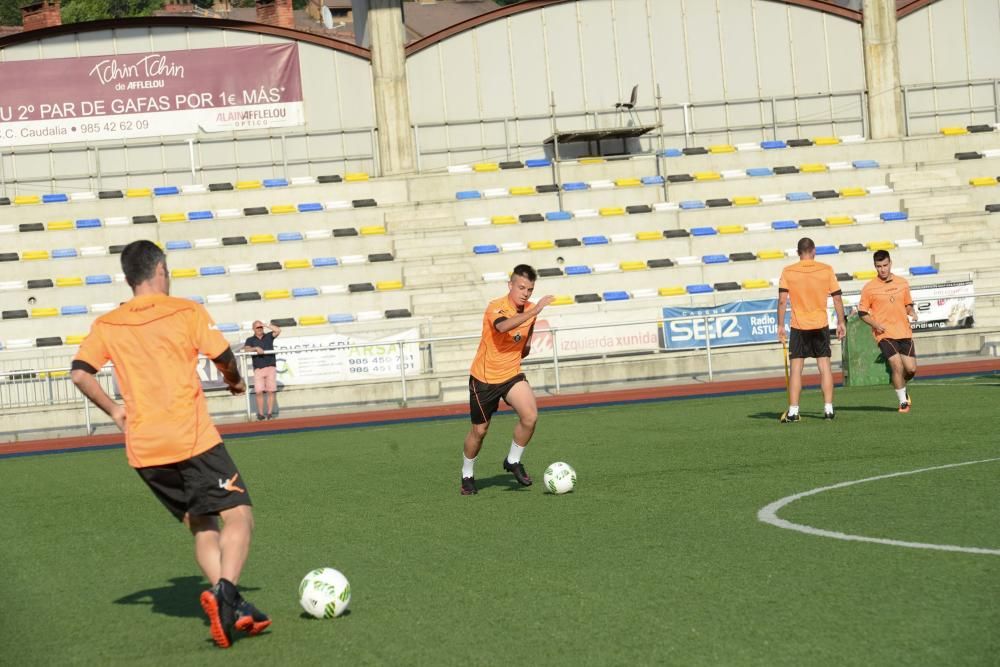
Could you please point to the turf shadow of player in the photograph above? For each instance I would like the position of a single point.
(173, 600)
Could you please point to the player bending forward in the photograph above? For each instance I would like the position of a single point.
(496, 373)
(154, 340)
(887, 307)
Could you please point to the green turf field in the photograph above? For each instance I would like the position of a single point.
(658, 557)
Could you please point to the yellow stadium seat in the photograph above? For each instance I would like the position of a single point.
(707, 175)
(826, 141)
(983, 180)
(839, 220)
(771, 254)
(853, 192)
(249, 185)
(278, 209)
(628, 182)
(271, 294)
(311, 320)
(812, 167)
(485, 166)
(372, 230)
(649, 236)
(24, 200)
(29, 255)
(69, 281)
(562, 300)
(355, 176)
(540, 245)
(607, 211)
(675, 290)
(632, 266)
(951, 131)
(730, 229)
(881, 245)
(386, 285)
(722, 148)
(138, 192)
(746, 201)
(591, 160)
(44, 312)
(184, 273)
(756, 283)
(262, 238)
(521, 190)
(74, 339)
(297, 264)
(172, 217)
(59, 225)
(865, 275)
(503, 220)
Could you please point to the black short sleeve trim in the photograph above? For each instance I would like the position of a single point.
(782, 289)
(225, 358)
(498, 321)
(862, 313)
(837, 293)
(78, 365)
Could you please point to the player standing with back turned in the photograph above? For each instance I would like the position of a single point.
(496, 373)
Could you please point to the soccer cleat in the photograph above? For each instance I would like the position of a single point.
(260, 417)
(517, 469)
(249, 619)
(829, 415)
(904, 406)
(788, 419)
(221, 615)
(469, 486)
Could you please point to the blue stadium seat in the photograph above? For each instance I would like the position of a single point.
(227, 327)
(212, 271)
(538, 162)
(73, 310)
(760, 171)
(827, 250)
(309, 207)
(692, 204)
(275, 183)
(178, 245)
(324, 261)
(200, 215)
(651, 180)
(865, 164)
(486, 249)
(597, 239)
(304, 291)
(53, 199)
(617, 295)
(799, 196)
(468, 194)
(63, 253)
(166, 190)
(927, 270)
(700, 288)
(88, 223)
(98, 279)
(338, 318)
(671, 152)
(784, 224)
(289, 236)
(769, 145)
(887, 216)
(715, 259)
(574, 185)
(577, 270)
(703, 231)
(558, 215)
(196, 299)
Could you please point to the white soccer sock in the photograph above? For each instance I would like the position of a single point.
(793, 410)
(828, 408)
(467, 465)
(901, 393)
(515, 452)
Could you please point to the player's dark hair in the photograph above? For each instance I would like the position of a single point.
(524, 271)
(881, 255)
(139, 260)
(806, 245)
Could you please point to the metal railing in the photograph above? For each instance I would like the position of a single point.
(991, 86)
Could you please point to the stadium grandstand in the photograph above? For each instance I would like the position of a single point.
(367, 178)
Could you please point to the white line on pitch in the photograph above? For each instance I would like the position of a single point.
(769, 514)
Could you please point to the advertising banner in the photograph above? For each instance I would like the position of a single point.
(597, 341)
(132, 95)
(373, 359)
(939, 306)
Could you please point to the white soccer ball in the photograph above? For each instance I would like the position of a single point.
(559, 478)
(324, 593)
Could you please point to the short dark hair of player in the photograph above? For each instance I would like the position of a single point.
(139, 260)
(524, 271)
(881, 255)
(806, 245)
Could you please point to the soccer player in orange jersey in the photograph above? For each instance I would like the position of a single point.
(887, 307)
(496, 373)
(807, 284)
(154, 340)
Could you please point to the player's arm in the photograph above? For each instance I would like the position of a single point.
(782, 307)
(505, 324)
(870, 321)
(83, 376)
(527, 345)
(911, 312)
(838, 306)
(226, 363)
(275, 329)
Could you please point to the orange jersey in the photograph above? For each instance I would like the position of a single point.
(498, 358)
(154, 342)
(808, 284)
(886, 302)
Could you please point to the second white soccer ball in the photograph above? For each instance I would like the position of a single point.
(324, 593)
(559, 478)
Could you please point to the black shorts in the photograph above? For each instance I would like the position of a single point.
(204, 484)
(892, 346)
(809, 343)
(484, 398)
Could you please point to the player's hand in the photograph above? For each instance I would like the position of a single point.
(841, 331)
(781, 335)
(544, 301)
(878, 329)
(119, 416)
(526, 351)
(238, 388)
(914, 318)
